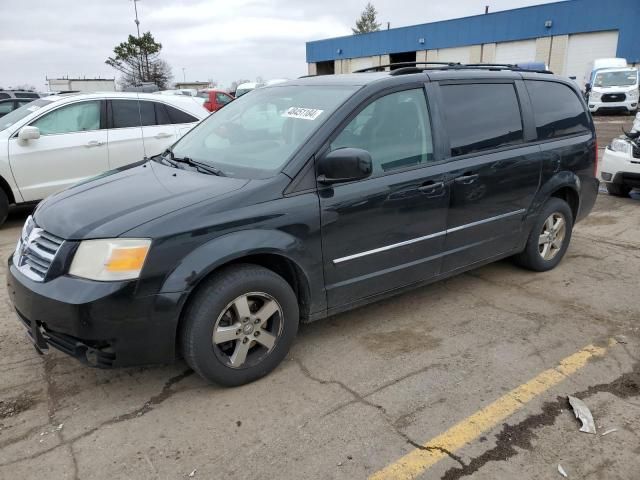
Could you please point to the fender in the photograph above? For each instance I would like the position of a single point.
(559, 180)
(236, 245)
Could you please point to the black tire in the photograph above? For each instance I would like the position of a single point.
(531, 257)
(4, 207)
(618, 190)
(214, 303)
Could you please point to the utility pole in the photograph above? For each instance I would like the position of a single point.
(137, 22)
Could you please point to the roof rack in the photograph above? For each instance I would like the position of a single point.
(378, 68)
(404, 68)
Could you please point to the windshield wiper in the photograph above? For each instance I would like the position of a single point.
(202, 167)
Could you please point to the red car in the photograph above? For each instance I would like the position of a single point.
(215, 99)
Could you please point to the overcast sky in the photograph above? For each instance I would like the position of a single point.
(220, 40)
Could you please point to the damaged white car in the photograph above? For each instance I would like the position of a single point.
(620, 169)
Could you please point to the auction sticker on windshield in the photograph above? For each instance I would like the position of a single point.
(302, 113)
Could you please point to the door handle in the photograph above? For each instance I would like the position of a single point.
(430, 188)
(94, 143)
(163, 135)
(467, 178)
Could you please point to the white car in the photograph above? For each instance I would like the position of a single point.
(620, 169)
(57, 141)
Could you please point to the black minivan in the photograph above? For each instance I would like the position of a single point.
(302, 200)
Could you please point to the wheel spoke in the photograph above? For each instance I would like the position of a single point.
(239, 354)
(558, 224)
(548, 225)
(241, 306)
(266, 312)
(543, 239)
(545, 251)
(267, 339)
(557, 243)
(225, 334)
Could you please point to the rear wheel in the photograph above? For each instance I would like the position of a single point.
(240, 325)
(549, 237)
(618, 190)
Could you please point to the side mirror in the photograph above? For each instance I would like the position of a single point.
(29, 133)
(587, 86)
(344, 165)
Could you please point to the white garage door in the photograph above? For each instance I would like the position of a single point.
(360, 63)
(586, 47)
(516, 52)
(456, 54)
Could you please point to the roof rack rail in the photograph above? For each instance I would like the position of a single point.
(404, 68)
(377, 68)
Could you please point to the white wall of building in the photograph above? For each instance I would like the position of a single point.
(516, 52)
(82, 85)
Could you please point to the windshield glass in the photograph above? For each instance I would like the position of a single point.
(254, 136)
(242, 91)
(616, 79)
(19, 113)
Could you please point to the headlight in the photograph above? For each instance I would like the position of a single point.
(111, 259)
(621, 145)
(594, 95)
(632, 93)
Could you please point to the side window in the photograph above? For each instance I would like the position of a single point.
(77, 117)
(6, 107)
(481, 116)
(557, 110)
(147, 114)
(222, 98)
(125, 114)
(394, 129)
(162, 114)
(26, 95)
(178, 116)
(4, 95)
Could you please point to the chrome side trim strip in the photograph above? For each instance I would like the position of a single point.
(388, 247)
(486, 220)
(426, 237)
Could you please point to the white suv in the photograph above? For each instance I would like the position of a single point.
(620, 169)
(57, 141)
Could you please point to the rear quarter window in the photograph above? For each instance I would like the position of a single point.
(178, 116)
(481, 116)
(557, 110)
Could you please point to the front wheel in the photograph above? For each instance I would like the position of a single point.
(240, 325)
(549, 237)
(618, 190)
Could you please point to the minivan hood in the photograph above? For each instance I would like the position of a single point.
(119, 200)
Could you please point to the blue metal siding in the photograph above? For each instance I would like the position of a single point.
(568, 17)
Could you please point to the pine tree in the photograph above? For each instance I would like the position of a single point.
(367, 22)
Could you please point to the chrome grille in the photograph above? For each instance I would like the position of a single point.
(36, 251)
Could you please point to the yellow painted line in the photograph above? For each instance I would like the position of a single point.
(417, 461)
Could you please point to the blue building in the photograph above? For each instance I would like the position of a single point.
(565, 35)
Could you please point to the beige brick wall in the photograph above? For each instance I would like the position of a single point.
(312, 69)
(432, 55)
(475, 52)
(559, 54)
(543, 47)
(489, 53)
(385, 60)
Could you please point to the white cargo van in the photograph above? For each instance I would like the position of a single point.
(599, 64)
(614, 89)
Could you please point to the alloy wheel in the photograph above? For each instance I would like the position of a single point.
(247, 330)
(552, 236)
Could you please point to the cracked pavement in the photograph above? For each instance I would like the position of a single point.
(362, 389)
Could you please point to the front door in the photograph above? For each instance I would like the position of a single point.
(72, 147)
(388, 230)
(494, 174)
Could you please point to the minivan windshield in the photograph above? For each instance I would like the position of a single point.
(19, 113)
(620, 78)
(255, 135)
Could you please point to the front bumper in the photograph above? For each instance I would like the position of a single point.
(103, 324)
(628, 105)
(620, 168)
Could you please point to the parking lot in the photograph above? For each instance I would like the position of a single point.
(466, 378)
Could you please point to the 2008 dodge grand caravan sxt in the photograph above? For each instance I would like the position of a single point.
(299, 201)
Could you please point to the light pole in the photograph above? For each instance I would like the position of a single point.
(137, 22)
